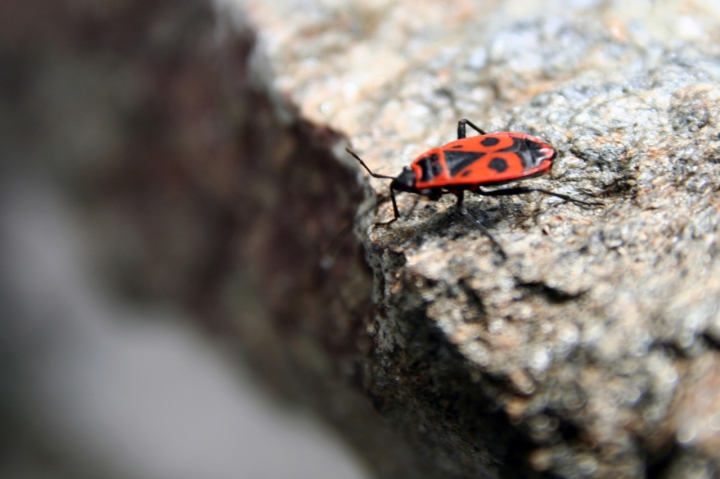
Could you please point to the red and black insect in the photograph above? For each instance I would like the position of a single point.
(468, 164)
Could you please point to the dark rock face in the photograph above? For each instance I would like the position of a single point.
(210, 162)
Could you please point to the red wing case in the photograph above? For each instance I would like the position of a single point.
(486, 159)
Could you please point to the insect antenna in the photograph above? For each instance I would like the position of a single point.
(375, 175)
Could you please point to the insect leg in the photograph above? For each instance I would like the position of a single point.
(395, 211)
(461, 133)
(519, 190)
(395, 208)
(414, 205)
(461, 209)
(376, 175)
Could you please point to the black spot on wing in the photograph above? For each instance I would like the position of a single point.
(489, 141)
(435, 165)
(538, 152)
(527, 158)
(430, 166)
(518, 144)
(425, 167)
(459, 160)
(498, 164)
(531, 153)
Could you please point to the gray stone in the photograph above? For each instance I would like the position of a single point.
(574, 356)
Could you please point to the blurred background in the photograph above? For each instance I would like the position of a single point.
(121, 202)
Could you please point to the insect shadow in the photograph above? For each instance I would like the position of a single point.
(418, 227)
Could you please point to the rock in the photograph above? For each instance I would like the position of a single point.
(583, 354)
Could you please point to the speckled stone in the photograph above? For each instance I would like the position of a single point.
(598, 337)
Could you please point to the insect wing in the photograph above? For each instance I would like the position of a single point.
(496, 158)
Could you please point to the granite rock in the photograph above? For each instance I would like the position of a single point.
(591, 351)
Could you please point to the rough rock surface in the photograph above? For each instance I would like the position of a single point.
(208, 159)
(593, 350)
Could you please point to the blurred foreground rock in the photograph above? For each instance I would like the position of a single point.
(591, 352)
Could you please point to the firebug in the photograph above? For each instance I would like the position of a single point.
(469, 164)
